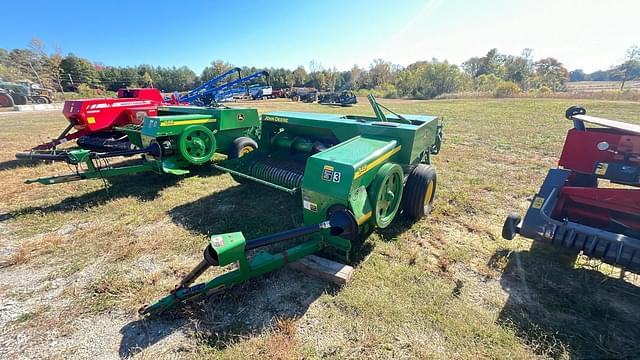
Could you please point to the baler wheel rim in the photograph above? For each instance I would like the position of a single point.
(430, 190)
(245, 150)
(197, 144)
(386, 194)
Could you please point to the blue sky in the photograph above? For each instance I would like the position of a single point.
(587, 34)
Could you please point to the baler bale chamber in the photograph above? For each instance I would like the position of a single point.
(357, 162)
(353, 174)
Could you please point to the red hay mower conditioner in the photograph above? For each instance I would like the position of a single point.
(572, 212)
(95, 119)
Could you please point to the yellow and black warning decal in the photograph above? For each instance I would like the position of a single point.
(601, 169)
(537, 202)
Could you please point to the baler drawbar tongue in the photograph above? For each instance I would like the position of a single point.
(90, 160)
(231, 248)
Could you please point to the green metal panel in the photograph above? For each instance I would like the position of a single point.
(415, 137)
(346, 166)
(233, 118)
(229, 247)
(230, 118)
(171, 125)
(360, 205)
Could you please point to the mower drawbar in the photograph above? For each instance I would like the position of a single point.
(68, 156)
(229, 248)
(90, 159)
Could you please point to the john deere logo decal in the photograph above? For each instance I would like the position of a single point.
(277, 119)
(240, 117)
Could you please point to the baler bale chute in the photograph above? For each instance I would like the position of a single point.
(353, 174)
(573, 212)
(179, 138)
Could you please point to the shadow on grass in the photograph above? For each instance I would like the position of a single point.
(251, 208)
(220, 320)
(145, 186)
(559, 310)
(15, 164)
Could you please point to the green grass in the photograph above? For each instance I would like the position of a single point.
(445, 287)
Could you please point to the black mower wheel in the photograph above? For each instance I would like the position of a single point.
(19, 99)
(242, 146)
(6, 100)
(510, 227)
(419, 192)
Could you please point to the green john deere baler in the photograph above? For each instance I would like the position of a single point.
(353, 174)
(179, 138)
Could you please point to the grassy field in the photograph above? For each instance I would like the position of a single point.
(77, 261)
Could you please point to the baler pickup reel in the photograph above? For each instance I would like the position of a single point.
(231, 248)
(572, 212)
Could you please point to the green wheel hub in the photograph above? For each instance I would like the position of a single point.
(386, 194)
(197, 144)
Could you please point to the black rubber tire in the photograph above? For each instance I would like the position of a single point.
(6, 100)
(510, 227)
(236, 151)
(19, 99)
(574, 110)
(40, 100)
(239, 145)
(415, 192)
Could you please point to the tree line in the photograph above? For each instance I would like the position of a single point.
(495, 73)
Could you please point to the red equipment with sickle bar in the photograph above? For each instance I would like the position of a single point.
(94, 119)
(571, 211)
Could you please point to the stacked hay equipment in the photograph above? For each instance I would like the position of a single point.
(179, 138)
